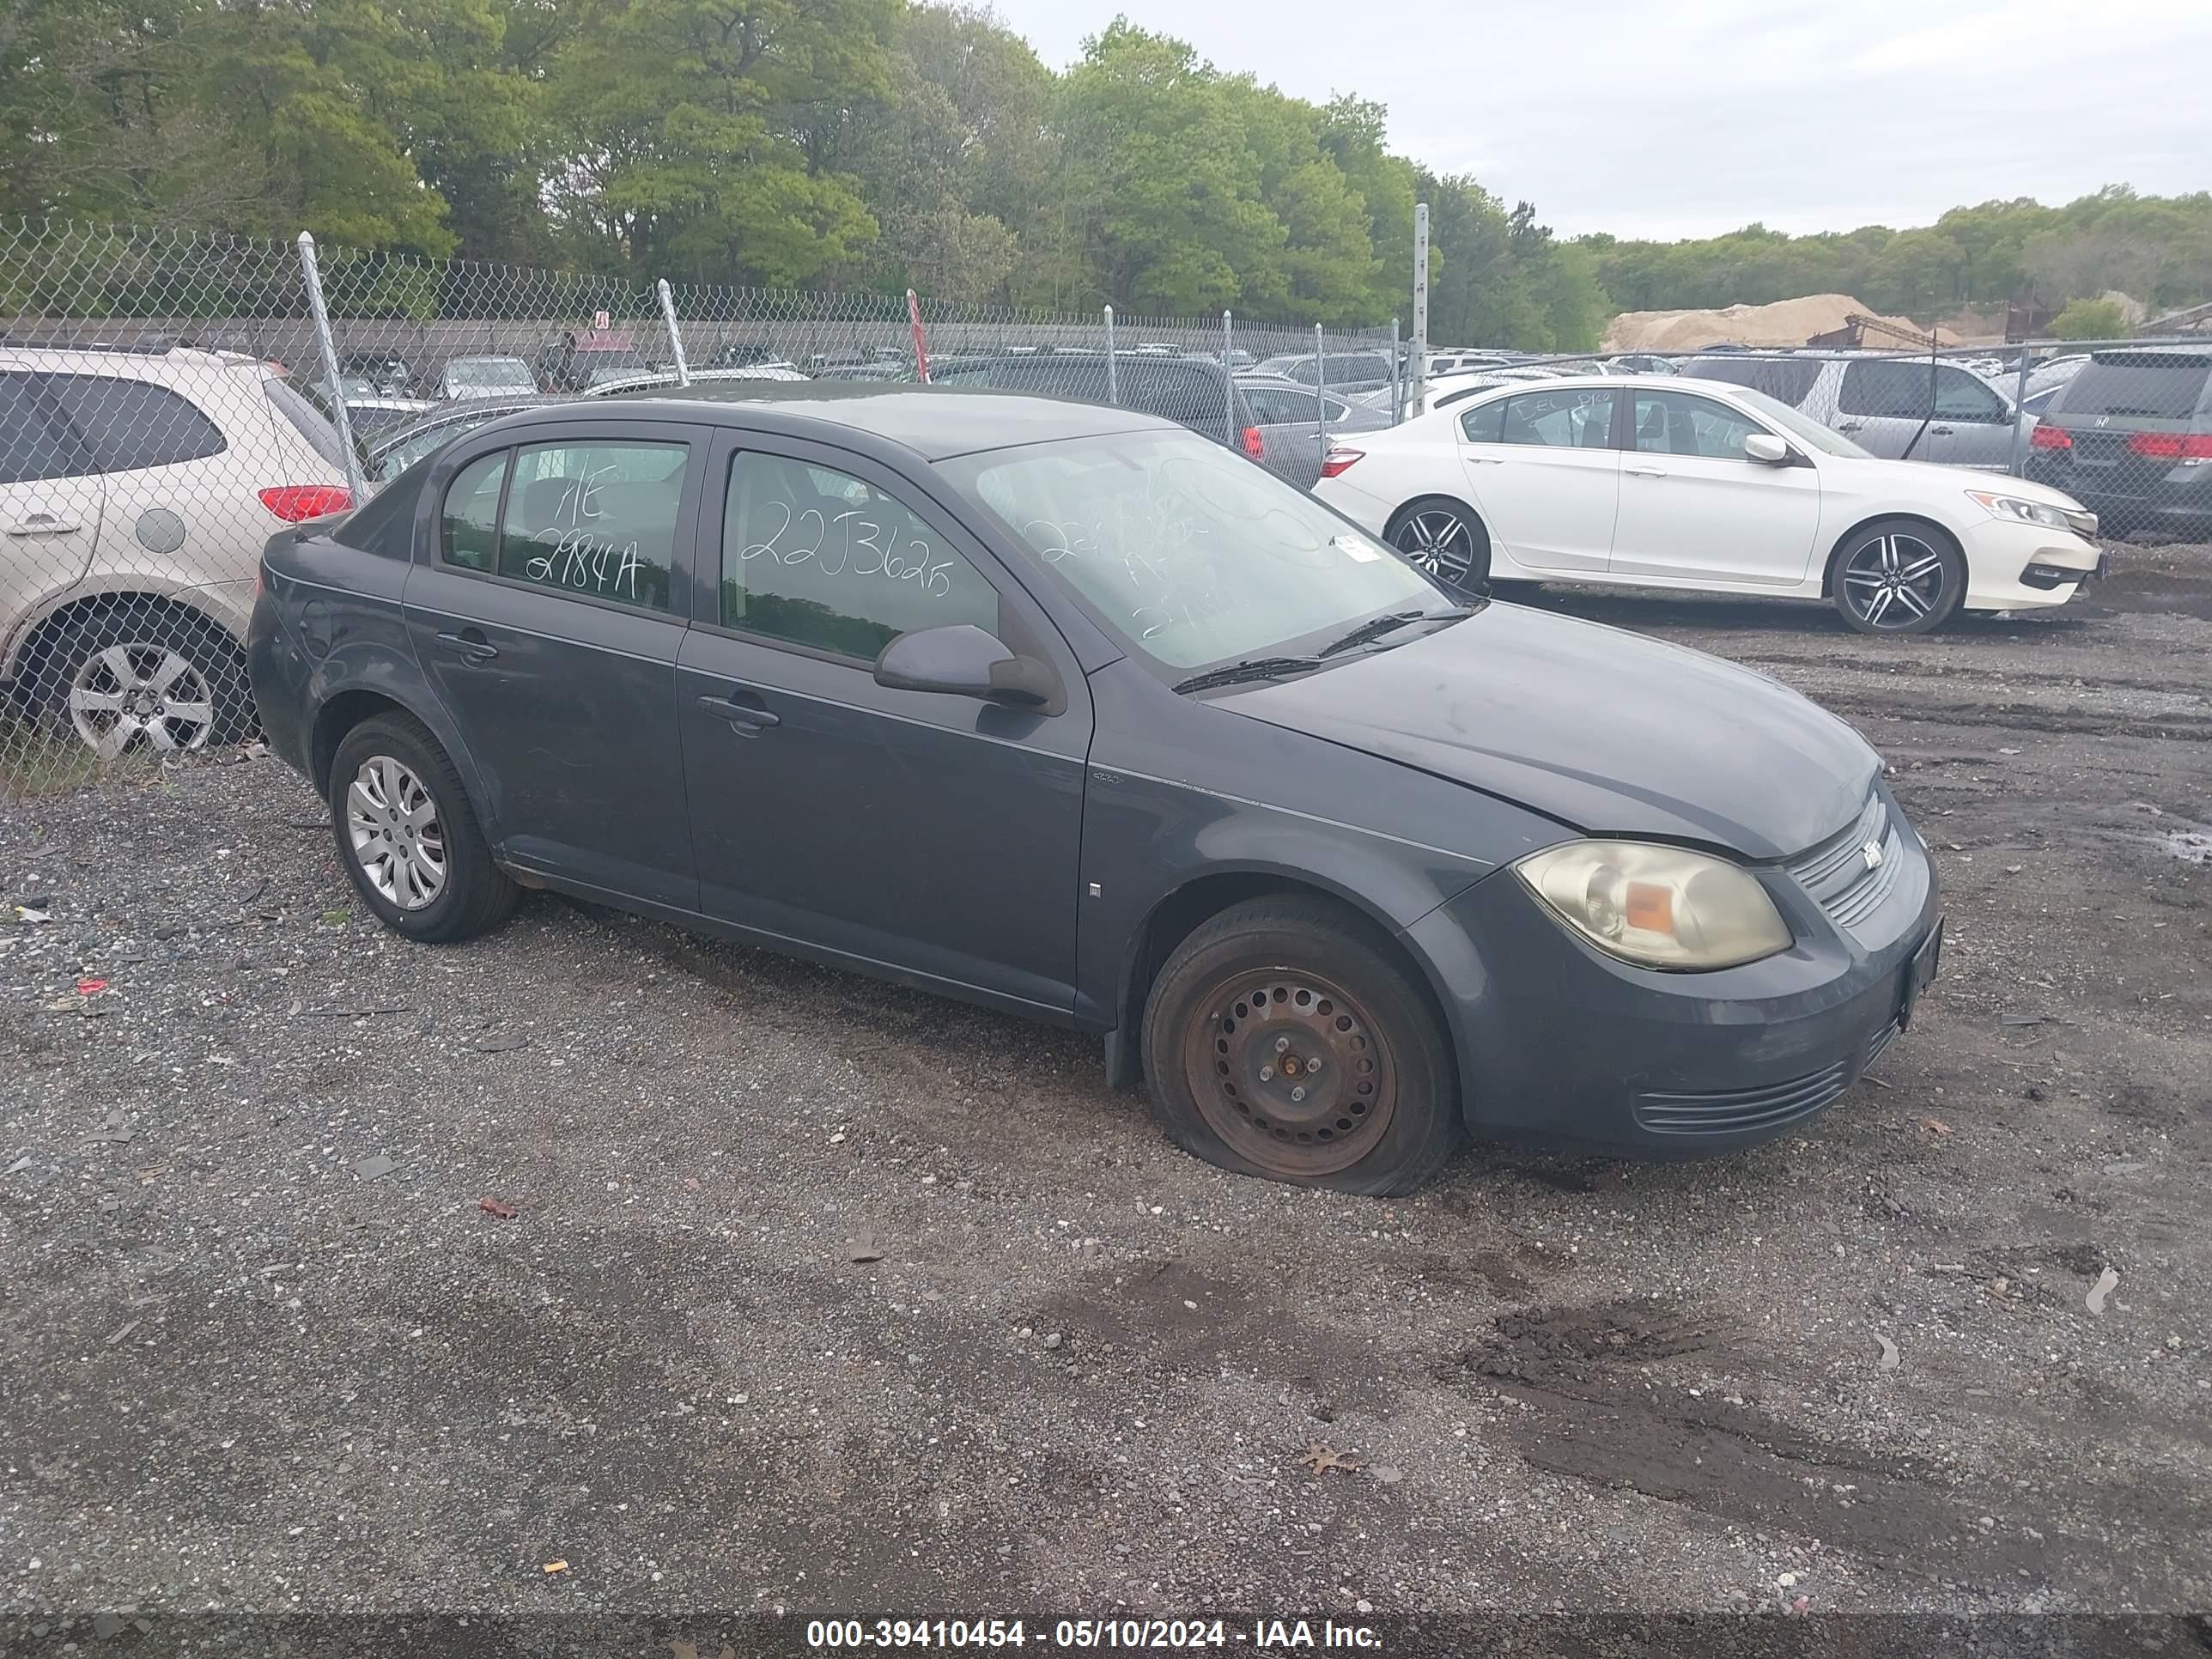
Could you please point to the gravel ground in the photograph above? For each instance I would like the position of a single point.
(820, 1294)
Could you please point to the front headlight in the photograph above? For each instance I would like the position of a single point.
(2011, 506)
(1660, 907)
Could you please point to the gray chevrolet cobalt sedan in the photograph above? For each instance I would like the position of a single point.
(1070, 712)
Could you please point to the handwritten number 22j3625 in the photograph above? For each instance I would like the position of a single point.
(852, 537)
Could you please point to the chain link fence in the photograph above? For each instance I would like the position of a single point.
(169, 402)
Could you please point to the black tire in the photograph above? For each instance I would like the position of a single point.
(1283, 983)
(144, 674)
(1896, 568)
(474, 894)
(1445, 537)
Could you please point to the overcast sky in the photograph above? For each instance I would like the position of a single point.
(1686, 117)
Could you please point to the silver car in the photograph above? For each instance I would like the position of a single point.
(1897, 408)
(1291, 443)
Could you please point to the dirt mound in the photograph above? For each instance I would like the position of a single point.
(1784, 323)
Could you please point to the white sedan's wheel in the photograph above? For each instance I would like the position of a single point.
(1898, 576)
(1445, 539)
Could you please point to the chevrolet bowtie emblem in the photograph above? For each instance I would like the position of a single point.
(1872, 853)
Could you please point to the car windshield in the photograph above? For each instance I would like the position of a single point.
(488, 371)
(1803, 428)
(1188, 554)
(407, 448)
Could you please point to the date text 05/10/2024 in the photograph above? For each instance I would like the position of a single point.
(1087, 1634)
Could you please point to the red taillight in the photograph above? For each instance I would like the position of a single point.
(2171, 445)
(294, 502)
(1254, 445)
(1338, 459)
(2050, 437)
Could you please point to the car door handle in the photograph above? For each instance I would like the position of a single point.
(1645, 471)
(470, 643)
(1850, 426)
(43, 523)
(1944, 431)
(1486, 460)
(740, 714)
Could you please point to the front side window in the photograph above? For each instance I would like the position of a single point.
(1579, 418)
(1675, 423)
(130, 425)
(595, 519)
(812, 556)
(1188, 553)
(1960, 396)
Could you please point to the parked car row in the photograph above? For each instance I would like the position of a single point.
(1471, 486)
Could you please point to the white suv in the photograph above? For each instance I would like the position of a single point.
(137, 487)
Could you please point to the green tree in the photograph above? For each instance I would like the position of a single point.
(681, 127)
(2090, 320)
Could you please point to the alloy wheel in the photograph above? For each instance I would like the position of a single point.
(1290, 1073)
(392, 823)
(133, 689)
(1893, 581)
(1440, 541)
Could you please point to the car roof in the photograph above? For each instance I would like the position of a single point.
(934, 422)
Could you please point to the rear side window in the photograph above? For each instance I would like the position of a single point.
(307, 421)
(1786, 379)
(1903, 389)
(386, 525)
(130, 425)
(1484, 425)
(595, 519)
(469, 527)
(2146, 386)
(30, 448)
(1191, 398)
(1580, 419)
(1345, 368)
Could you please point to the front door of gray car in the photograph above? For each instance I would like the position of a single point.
(1972, 425)
(547, 618)
(933, 833)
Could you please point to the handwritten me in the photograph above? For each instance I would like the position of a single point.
(579, 556)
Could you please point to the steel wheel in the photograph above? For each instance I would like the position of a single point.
(1439, 540)
(1894, 583)
(133, 689)
(397, 840)
(1290, 1073)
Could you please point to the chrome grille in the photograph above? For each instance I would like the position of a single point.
(1837, 875)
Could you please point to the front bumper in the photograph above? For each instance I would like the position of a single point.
(2016, 567)
(1561, 1045)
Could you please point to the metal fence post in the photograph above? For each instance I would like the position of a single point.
(1321, 386)
(1421, 364)
(1113, 381)
(308, 269)
(1229, 378)
(675, 334)
(2019, 414)
(1397, 406)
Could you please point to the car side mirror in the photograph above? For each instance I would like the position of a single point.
(962, 660)
(1766, 449)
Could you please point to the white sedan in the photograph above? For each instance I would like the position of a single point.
(1617, 480)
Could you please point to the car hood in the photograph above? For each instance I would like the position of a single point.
(1608, 732)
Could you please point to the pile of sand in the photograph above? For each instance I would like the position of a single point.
(1784, 323)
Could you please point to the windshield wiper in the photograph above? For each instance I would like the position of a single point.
(1377, 627)
(1252, 668)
